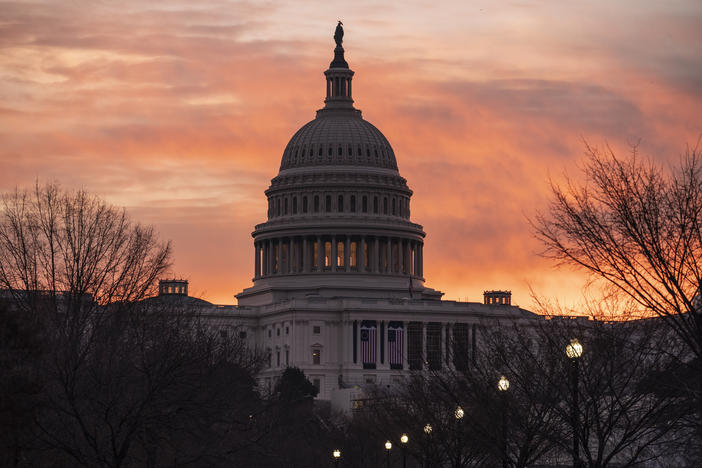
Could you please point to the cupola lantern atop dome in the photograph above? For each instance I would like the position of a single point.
(339, 76)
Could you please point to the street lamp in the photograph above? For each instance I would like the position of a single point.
(337, 456)
(404, 439)
(503, 386)
(574, 350)
(388, 447)
(427, 431)
(459, 413)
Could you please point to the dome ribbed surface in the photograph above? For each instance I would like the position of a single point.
(339, 139)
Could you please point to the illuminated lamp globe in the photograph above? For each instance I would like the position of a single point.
(459, 413)
(336, 453)
(388, 445)
(404, 439)
(503, 384)
(427, 429)
(574, 349)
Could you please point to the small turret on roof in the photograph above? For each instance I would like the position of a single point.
(173, 287)
(497, 297)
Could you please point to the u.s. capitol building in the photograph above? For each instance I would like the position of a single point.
(338, 287)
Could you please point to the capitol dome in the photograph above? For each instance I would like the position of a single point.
(338, 138)
(338, 221)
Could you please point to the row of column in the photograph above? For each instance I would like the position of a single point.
(304, 254)
(431, 345)
(338, 86)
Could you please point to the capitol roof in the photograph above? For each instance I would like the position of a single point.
(338, 138)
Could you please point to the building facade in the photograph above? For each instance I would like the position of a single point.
(338, 287)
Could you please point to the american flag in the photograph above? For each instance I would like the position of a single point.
(395, 344)
(368, 342)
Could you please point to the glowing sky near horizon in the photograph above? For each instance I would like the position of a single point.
(180, 111)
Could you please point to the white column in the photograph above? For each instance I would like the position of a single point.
(389, 256)
(347, 253)
(305, 256)
(280, 256)
(360, 253)
(376, 256)
(320, 254)
(405, 340)
(333, 253)
(257, 260)
(400, 255)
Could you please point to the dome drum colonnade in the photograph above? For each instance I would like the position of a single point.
(338, 204)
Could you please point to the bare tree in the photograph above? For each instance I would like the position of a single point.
(71, 251)
(638, 227)
(115, 379)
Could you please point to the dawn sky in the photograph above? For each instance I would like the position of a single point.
(180, 111)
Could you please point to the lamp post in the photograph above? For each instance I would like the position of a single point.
(336, 454)
(503, 386)
(574, 350)
(459, 413)
(404, 439)
(388, 447)
(427, 431)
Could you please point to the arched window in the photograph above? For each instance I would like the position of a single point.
(375, 205)
(320, 151)
(394, 207)
(294, 208)
(277, 207)
(316, 203)
(352, 254)
(385, 205)
(285, 206)
(340, 150)
(340, 204)
(352, 208)
(329, 152)
(364, 204)
(304, 204)
(328, 203)
(327, 254)
(340, 254)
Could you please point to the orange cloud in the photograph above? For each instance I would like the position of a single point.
(181, 113)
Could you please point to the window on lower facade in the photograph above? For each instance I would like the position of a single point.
(460, 346)
(316, 356)
(415, 357)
